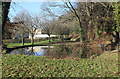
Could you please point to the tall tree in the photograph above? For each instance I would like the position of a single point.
(115, 29)
(63, 27)
(117, 20)
(48, 27)
(29, 22)
(4, 12)
(73, 10)
(0, 24)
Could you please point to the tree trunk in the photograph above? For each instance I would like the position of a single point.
(96, 32)
(61, 37)
(0, 34)
(49, 38)
(80, 26)
(81, 35)
(22, 39)
(4, 12)
(32, 39)
(113, 45)
(116, 38)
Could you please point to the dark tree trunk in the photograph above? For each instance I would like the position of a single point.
(49, 38)
(81, 30)
(116, 40)
(61, 37)
(22, 41)
(32, 39)
(22, 36)
(5, 10)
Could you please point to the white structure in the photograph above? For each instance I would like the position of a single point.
(38, 34)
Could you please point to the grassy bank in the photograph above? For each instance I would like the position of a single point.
(12, 45)
(105, 65)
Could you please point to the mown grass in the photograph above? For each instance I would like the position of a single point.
(12, 45)
(105, 65)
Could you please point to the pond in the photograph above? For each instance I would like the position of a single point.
(61, 51)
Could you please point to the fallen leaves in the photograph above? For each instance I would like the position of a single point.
(68, 67)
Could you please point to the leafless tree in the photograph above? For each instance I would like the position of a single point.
(62, 29)
(30, 22)
(69, 5)
(48, 27)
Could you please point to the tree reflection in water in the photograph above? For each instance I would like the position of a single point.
(23, 51)
(58, 52)
(61, 51)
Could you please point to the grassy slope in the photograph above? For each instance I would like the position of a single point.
(105, 65)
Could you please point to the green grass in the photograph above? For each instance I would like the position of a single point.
(105, 65)
(11, 45)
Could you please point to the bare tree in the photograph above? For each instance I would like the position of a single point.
(49, 17)
(59, 26)
(29, 22)
(62, 29)
(48, 27)
(68, 5)
(74, 11)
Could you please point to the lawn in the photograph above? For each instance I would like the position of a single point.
(105, 65)
(11, 45)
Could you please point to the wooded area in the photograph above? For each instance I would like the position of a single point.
(86, 42)
(89, 20)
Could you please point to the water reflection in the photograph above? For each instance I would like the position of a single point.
(58, 52)
(61, 51)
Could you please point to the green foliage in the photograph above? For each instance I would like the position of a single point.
(117, 15)
(39, 66)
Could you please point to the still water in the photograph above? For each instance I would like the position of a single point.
(61, 51)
